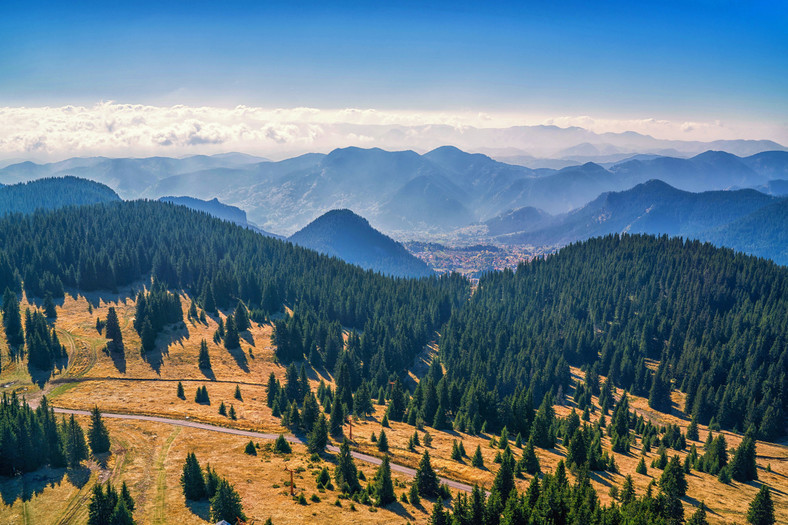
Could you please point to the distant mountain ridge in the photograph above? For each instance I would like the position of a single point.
(403, 191)
(52, 193)
(737, 219)
(218, 209)
(343, 234)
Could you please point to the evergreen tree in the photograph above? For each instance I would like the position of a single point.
(672, 481)
(530, 462)
(477, 460)
(272, 389)
(761, 511)
(237, 394)
(281, 445)
(384, 488)
(692, 430)
(180, 393)
(192, 479)
(345, 473)
(699, 517)
(231, 338)
(241, 317)
(204, 360)
(112, 331)
(226, 504)
(337, 419)
(98, 435)
(743, 467)
(362, 401)
(383, 442)
(318, 437)
(49, 307)
(426, 479)
(121, 515)
(12, 320)
(250, 449)
(504, 478)
(74, 442)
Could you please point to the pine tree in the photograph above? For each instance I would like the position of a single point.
(362, 401)
(241, 317)
(222, 409)
(98, 435)
(426, 479)
(180, 393)
(112, 331)
(232, 413)
(121, 515)
(743, 466)
(272, 389)
(238, 393)
(699, 517)
(641, 467)
(204, 360)
(504, 478)
(761, 511)
(345, 473)
(125, 496)
(692, 430)
(318, 437)
(250, 449)
(672, 482)
(627, 494)
(383, 442)
(281, 445)
(12, 319)
(226, 504)
(477, 460)
(74, 442)
(192, 479)
(49, 307)
(231, 338)
(337, 419)
(529, 459)
(384, 488)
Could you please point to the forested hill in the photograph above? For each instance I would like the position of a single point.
(51, 193)
(112, 245)
(717, 320)
(344, 234)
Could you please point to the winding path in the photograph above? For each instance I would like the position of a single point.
(259, 435)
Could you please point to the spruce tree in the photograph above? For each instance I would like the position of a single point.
(477, 460)
(318, 437)
(743, 466)
(337, 419)
(504, 478)
(383, 442)
(204, 360)
(426, 479)
(250, 449)
(272, 389)
(384, 488)
(241, 317)
(231, 338)
(672, 482)
(121, 515)
(12, 319)
(281, 445)
(49, 307)
(180, 393)
(529, 459)
(345, 473)
(112, 331)
(761, 511)
(238, 393)
(226, 504)
(74, 442)
(98, 435)
(192, 479)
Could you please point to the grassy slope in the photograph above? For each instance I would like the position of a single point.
(149, 456)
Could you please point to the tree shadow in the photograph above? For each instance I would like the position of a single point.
(118, 355)
(96, 297)
(200, 509)
(78, 476)
(246, 336)
(240, 358)
(27, 485)
(208, 373)
(400, 510)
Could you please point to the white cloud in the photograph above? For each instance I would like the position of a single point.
(116, 129)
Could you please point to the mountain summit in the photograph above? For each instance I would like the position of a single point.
(343, 234)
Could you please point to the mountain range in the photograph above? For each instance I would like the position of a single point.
(745, 220)
(402, 191)
(343, 234)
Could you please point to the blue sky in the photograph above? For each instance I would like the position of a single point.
(629, 57)
(685, 62)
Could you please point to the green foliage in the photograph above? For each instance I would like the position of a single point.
(383, 442)
(112, 331)
(426, 478)
(672, 482)
(192, 480)
(477, 460)
(155, 310)
(318, 437)
(761, 511)
(180, 393)
(98, 435)
(226, 504)
(743, 467)
(384, 488)
(107, 507)
(250, 449)
(281, 445)
(345, 473)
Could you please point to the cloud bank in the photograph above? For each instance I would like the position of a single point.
(113, 129)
